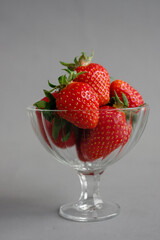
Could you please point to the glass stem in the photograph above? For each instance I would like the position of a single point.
(90, 197)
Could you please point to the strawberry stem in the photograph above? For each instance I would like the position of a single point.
(82, 61)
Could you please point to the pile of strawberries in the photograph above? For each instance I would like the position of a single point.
(88, 101)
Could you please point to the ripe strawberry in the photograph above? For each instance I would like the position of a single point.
(72, 97)
(62, 137)
(94, 74)
(55, 131)
(121, 87)
(79, 96)
(111, 132)
(41, 127)
(39, 119)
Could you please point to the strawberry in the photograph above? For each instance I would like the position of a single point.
(79, 96)
(39, 118)
(122, 89)
(111, 132)
(94, 74)
(41, 128)
(59, 131)
(72, 96)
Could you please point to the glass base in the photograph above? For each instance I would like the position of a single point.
(93, 214)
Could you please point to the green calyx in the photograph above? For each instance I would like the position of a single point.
(64, 80)
(63, 125)
(83, 60)
(51, 105)
(117, 103)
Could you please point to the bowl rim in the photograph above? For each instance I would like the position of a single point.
(33, 108)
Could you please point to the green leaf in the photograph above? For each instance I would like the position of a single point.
(118, 102)
(66, 136)
(125, 100)
(72, 75)
(67, 131)
(63, 122)
(48, 115)
(76, 130)
(71, 66)
(63, 80)
(40, 104)
(67, 70)
(49, 95)
(80, 73)
(56, 128)
(51, 105)
(76, 61)
(60, 123)
(51, 85)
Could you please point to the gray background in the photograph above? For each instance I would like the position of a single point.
(34, 36)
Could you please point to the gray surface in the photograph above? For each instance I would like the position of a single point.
(34, 36)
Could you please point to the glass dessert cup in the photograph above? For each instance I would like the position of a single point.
(90, 152)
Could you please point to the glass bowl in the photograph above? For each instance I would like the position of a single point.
(89, 151)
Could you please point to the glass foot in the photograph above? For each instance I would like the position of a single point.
(100, 212)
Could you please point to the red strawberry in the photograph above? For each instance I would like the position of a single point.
(41, 127)
(79, 96)
(111, 133)
(40, 123)
(133, 96)
(46, 129)
(95, 75)
(59, 140)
